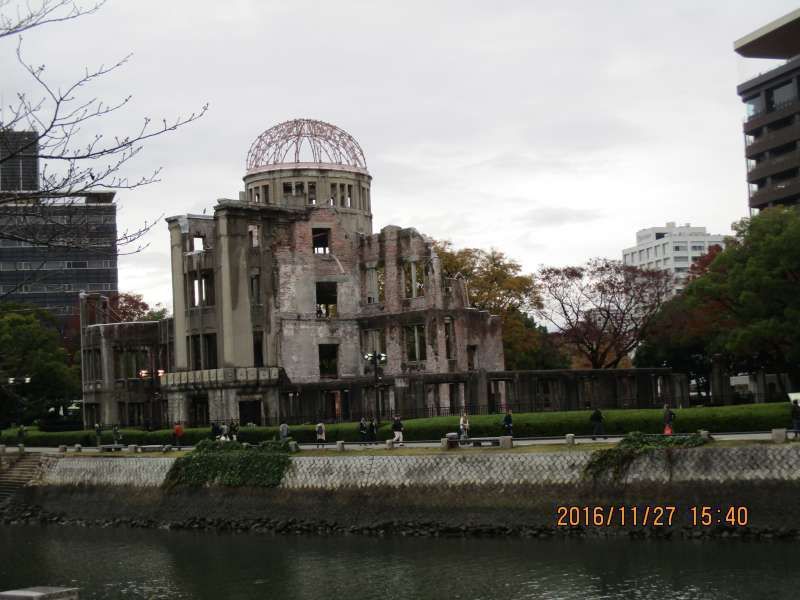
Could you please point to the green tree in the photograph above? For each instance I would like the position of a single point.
(755, 286)
(30, 349)
(678, 338)
(497, 284)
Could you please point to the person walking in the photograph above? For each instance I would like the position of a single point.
(362, 429)
(463, 426)
(178, 433)
(320, 435)
(596, 419)
(397, 428)
(508, 423)
(669, 418)
(116, 435)
(372, 431)
(796, 418)
(234, 430)
(283, 431)
(98, 432)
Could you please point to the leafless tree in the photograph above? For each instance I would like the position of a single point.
(76, 157)
(602, 309)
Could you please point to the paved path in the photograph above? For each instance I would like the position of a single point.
(755, 436)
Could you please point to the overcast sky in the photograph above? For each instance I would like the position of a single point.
(552, 131)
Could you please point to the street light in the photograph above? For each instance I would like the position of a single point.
(12, 381)
(376, 359)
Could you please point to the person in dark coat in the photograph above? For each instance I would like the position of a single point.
(796, 418)
(362, 429)
(596, 418)
(508, 423)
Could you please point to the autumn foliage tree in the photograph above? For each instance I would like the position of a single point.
(127, 306)
(496, 283)
(602, 309)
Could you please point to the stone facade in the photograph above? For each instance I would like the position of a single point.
(280, 294)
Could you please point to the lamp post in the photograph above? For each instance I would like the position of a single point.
(376, 359)
(153, 377)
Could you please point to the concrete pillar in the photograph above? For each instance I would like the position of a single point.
(506, 442)
(340, 446)
(234, 303)
(779, 435)
(570, 439)
(176, 230)
(390, 444)
(720, 382)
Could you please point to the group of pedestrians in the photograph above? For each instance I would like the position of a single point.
(224, 432)
(368, 430)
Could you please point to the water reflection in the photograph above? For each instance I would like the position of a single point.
(122, 563)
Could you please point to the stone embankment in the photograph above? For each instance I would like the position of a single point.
(493, 493)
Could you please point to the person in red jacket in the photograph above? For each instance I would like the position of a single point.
(177, 433)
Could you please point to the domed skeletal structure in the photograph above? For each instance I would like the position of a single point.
(303, 141)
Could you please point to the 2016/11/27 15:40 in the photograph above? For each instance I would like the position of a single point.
(653, 516)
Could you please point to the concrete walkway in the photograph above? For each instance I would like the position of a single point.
(753, 436)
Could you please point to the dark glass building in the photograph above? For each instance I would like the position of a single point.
(51, 246)
(772, 122)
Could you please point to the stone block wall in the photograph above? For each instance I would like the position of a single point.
(780, 463)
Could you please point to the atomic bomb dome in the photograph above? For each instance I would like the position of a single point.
(306, 143)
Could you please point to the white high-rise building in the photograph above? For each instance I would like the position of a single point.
(672, 248)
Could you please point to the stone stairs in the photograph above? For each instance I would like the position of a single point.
(20, 473)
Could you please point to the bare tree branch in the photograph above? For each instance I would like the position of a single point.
(75, 156)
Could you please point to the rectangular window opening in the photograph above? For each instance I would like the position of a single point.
(415, 343)
(329, 360)
(255, 286)
(254, 235)
(449, 338)
(197, 243)
(258, 348)
(321, 240)
(312, 192)
(207, 288)
(326, 299)
(210, 347)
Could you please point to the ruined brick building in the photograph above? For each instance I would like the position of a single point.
(280, 294)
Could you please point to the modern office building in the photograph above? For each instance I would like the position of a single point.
(772, 121)
(51, 246)
(671, 248)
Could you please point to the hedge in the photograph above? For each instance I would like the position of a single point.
(742, 417)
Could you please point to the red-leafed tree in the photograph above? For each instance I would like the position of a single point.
(126, 307)
(602, 309)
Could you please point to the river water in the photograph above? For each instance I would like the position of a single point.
(133, 564)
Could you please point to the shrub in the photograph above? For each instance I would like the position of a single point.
(229, 464)
(615, 462)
